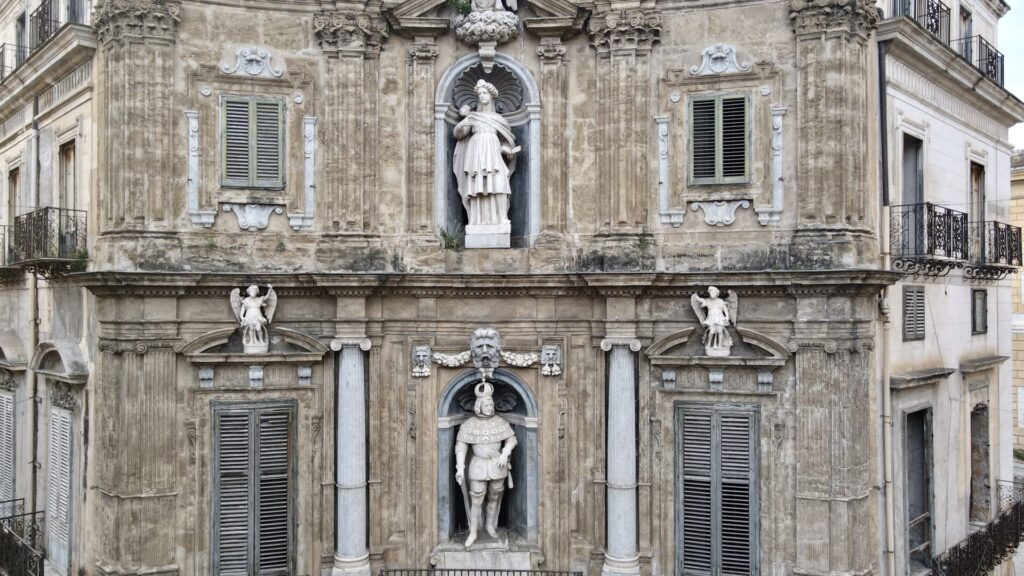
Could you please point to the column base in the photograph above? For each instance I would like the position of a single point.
(620, 566)
(351, 566)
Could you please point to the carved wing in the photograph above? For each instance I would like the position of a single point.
(504, 401)
(236, 303)
(732, 302)
(270, 301)
(697, 308)
(511, 5)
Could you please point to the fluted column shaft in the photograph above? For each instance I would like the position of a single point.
(351, 555)
(621, 554)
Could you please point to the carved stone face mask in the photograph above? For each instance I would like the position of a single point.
(485, 348)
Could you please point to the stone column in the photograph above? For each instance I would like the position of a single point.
(351, 554)
(621, 552)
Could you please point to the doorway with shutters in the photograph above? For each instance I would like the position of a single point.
(60, 474)
(716, 489)
(253, 484)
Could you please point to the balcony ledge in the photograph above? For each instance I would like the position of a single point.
(918, 48)
(982, 363)
(918, 378)
(70, 47)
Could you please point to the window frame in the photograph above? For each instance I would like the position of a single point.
(253, 409)
(977, 318)
(253, 182)
(753, 412)
(929, 458)
(67, 187)
(718, 178)
(909, 333)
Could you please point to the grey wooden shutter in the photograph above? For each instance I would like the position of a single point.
(6, 448)
(697, 535)
(274, 523)
(268, 144)
(734, 139)
(702, 140)
(913, 313)
(735, 481)
(233, 507)
(58, 498)
(236, 142)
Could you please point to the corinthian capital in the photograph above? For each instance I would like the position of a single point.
(818, 16)
(625, 30)
(126, 20)
(349, 32)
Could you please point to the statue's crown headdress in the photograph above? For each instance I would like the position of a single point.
(484, 390)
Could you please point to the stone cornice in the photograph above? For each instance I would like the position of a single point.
(831, 16)
(625, 31)
(140, 20)
(349, 33)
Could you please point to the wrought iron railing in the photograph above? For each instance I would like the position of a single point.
(473, 572)
(983, 550)
(5, 261)
(44, 23)
(981, 55)
(11, 56)
(23, 544)
(933, 15)
(50, 234)
(927, 236)
(995, 244)
(12, 507)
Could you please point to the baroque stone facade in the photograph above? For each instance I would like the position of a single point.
(660, 427)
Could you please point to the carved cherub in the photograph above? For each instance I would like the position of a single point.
(254, 313)
(720, 313)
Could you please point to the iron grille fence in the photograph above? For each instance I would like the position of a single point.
(471, 572)
(933, 15)
(43, 23)
(23, 544)
(981, 55)
(5, 261)
(995, 243)
(11, 56)
(927, 231)
(49, 234)
(982, 551)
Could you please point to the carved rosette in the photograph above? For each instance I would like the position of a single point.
(125, 20)
(486, 26)
(820, 16)
(631, 30)
(341, 32)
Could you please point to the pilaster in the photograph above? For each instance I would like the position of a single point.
(420, 174)
(351, 42)
(553, 90)
(623, 40)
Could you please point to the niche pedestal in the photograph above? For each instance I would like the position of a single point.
(488, 235)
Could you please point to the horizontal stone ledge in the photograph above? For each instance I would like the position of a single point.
(919, 377)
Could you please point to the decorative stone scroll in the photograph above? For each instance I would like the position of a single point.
(668, 216)
(304, 218)
(718, 59)
(721, 213)
(486, 354)
(204, 218)
(771, 214)
(253, 217)
(125, 20)
(253, 61)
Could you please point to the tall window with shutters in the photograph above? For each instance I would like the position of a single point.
(252, 138)
(719, 135)
(7, 440)
(252, 511)
(716, 490)
(58, 489)
(913, 313)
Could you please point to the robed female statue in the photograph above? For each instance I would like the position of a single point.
(484, 160)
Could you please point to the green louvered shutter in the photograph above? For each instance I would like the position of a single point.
(274, 521)
(719, 140)
(698, 538)
(253, 140)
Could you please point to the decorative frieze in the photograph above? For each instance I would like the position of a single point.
(349, 32)
(632, 30)
(140, 20)
(819, 16)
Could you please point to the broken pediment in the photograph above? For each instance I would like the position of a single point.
(418, 18)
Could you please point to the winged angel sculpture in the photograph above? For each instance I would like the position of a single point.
(254, 313)
(720, 313)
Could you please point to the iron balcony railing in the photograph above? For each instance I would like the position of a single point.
(933, 15)
(981, 55)
(23, 544)
(995, 244)
(927, 231)
(43, 24)
(48, 235)
(983, 550)
(11, 56)
(5, 261)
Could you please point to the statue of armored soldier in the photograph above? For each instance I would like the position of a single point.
(492, 439)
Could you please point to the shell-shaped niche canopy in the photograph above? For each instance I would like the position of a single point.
(510, 89)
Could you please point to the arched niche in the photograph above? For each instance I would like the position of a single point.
(519, 505)
(60, 360)
(524, 207)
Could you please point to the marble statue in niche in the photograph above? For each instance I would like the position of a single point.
(254, 313)
(720, 313)
(492, 440)
(483, 162)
